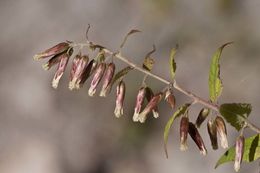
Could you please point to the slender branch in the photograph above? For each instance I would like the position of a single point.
(195, 98)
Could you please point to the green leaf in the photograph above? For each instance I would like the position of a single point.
(148, 60)
(235, 113)
(215, 83)
(181, 110)
(172, 61)
(119, 75)
(251, 151)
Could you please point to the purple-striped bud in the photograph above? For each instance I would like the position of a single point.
(169, 97)
(79, 65)
(194, 133)
(61, 68)
(202, 116)
(184, 128)
(222, 131)
(212, 131)
(139, 102)
(152, 104)
(99, 72)
(57, 49)
(149, 95)
(120, 95)
(53, 61)
(108, 77)
(88, 71)
(239, 152)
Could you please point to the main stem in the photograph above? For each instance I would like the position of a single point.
(195, 98)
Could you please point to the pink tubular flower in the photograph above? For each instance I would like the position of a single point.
(57, 49)
(202, 116)
(108, 77)
(79, 65)
(139, 102)
(99, 72)
(150, 106)
(194, 133)
(184, 128)
(87, 72)
(120, 95)
(169, 97)
(222, 131)
(212, 131)
(239, 152)
(61, 68)
(53, 61)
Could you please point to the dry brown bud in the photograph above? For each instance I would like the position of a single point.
(222, 131)
(194, 133)
(120, 96)
(169, 97)
(240, 142)
(184, 128)
(212, 131)
(108, 77)
(97, 78)
(139, 102)
(57, 49)
(202, 116)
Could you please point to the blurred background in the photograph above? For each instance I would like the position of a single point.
(58, 131)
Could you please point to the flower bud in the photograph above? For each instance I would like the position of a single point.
(169, 97)
(184, 128)
(108, 77)
(61, 68)
(97, 78)
(139, 102)
(79, 65)
(87, 72)
(53, 61)
(150, 106)
(57, 49)
(202, 116)
(194, 133)
(120, 95)
(212, 131)
(222, 131)
(239, 152)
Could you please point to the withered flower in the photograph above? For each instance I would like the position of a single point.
(169, 97)
(79, 65)
(97, 78)
(57, 49)
(239, 152)
(120, 95)
(139, 102)
(212, 131)
(202, 116)
(150, 106)
(108, 77)
(194, 133)
(222, 131)
(184, 128)
(61, 68)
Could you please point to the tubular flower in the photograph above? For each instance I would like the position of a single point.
(108, 77)
(53, 61)
(240, 142)
(152, 104)
(139, 102)
(222, 131)
(57, 49)
(87, 72)
(99, 72)
(149, 95)
(212, 131)
(169, 97)
(194, 133)
(79, 65)
(120, 95)
(61, 68)
(184, 128)
(202, 116)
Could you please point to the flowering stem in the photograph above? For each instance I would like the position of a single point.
(196, 99)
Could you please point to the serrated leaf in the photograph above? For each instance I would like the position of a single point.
(215, 83)
(172, 61)
(251, 151)
(148, 60)
(121, 74)
(235, 113)
(180, 111)
(127, 35)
